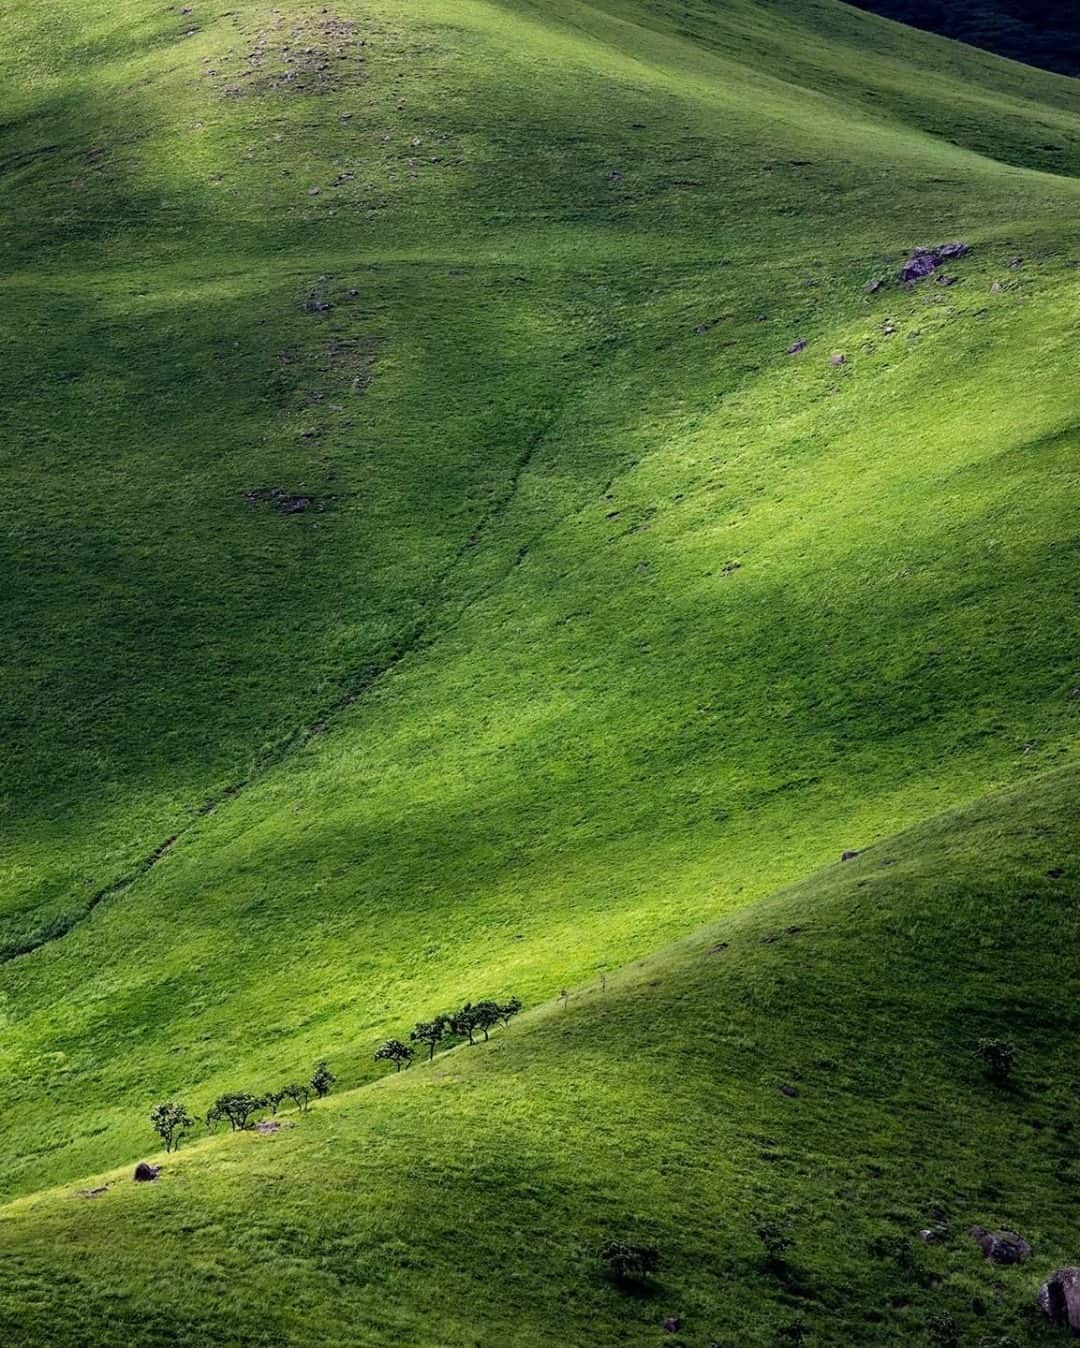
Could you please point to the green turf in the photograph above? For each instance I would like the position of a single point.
(597, 626)
(463, 1203)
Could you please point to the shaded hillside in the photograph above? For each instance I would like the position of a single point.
(1039, 32)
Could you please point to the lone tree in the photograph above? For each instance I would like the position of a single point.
(322, 1079)
(237, 1107)
(508, 1010)
(171, 1123)
(628, 1262)
(775, 1240)
(487, 1016)
(299, 1094)
(464, 1022)
(998, 1058)
(429, 1032)
(396, 1052)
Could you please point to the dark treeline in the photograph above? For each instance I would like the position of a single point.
(172, 1121)
(1039, 32)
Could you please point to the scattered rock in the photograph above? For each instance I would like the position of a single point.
(996, 288)
(717, 948)
(792, 1092)
(796, 347)
(268, 1127)
(1059, 1298)
(924, 262)
(1000, 1247)
(872, 287)
(837, 358)
(145, 1173)
(313, 191)
(920, 264)
(944, 279)
(708, 326)
(932, 1235)
(850, 856)
(671, 1324)
(282, 501)
(94, 1193)
(1015, 263)
(1055, 873)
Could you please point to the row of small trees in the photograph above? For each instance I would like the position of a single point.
(472, 1019)
(172, 1122)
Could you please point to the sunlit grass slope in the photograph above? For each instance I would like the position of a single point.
(463, 1203)
(529, 605)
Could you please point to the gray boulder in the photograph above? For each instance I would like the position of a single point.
(1059, 1297)
(1001, 1247)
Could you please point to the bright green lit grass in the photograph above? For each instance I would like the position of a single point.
(608, 627)
(462, 1203)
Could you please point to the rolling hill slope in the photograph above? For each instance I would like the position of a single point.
(472, 520)
(464, 1202)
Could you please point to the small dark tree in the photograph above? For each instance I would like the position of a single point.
(998, 1058)
(235, 1106)
(396, 1052)
(776, 1242)
(322, 1079)
(272, 1100)
(171, 1122)
(508, 1010)
(464, 1022)
(429, 1032)
(299, 1094)
(487, 1015)
(628, 1262)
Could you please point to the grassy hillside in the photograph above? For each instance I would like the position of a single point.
(463, 1203)
(470, 522)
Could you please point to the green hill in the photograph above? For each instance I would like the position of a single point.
(806, 1061)
(471, 520)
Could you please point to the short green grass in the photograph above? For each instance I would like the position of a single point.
(464, 1202)
(606, 626)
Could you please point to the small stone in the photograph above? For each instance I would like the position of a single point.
(671, 1324)
(837, 358)
(313, 191)
(996, 288)
(146, 1173)
(851, 855)
(796, 347)
(872, 287)
(1015, 263)
(792, 1092)
(943, 279)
